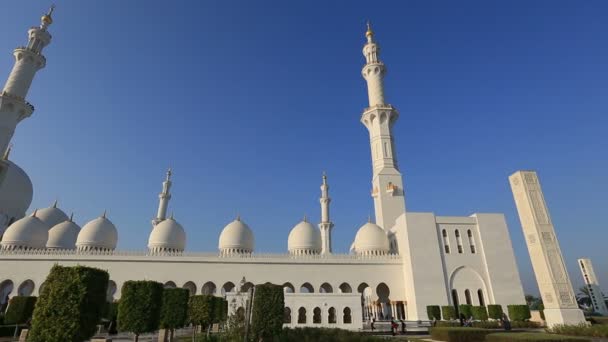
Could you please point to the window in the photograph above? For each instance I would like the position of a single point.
(455, 300)
(471, 241)
(482, 302)
(287, 315)
(346, 318)
(331, 317)
(316, 316)
(467, 296)
(302, 316)
(446, 245)
(458, 241)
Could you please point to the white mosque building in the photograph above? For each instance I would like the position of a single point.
(398, 264)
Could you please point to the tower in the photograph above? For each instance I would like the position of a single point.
(379, 118)
(163, 200)
(326, 225)
(28, 60)
(595, 292)
(546, 256)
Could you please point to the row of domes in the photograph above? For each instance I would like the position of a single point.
(52, 228)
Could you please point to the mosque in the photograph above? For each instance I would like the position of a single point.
(397, 265)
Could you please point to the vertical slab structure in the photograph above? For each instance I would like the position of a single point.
(547, 261)
(593, 285)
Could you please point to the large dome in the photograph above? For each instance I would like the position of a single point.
(98, 234)
(237, 238)
(167, 236)
(304, 238)
(371, 239)
(16, 191)
(28, 232)
(63, 235)
(51, 216)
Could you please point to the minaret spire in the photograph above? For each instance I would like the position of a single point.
(163, 198)
(28, 60)
(379, 118)
(326, 225)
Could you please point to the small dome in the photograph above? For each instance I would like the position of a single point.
(167, 236)
(304, 238)
(63, 235)
(16, 192)
(52, 216)
(28, 232)
(371, 239)
(98, 234)
(236, 237)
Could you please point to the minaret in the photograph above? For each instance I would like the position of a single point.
(28, 60)
(326, 225)
(379, 118)
(163, 200)
(593, 286)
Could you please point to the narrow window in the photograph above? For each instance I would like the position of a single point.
(482, 302)
(471, 241)
(446, 245)
(467, 296)
(455, 300)
(458, 241)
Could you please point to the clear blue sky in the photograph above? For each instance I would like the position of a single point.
(250, 101)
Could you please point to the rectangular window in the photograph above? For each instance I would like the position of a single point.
(460, 249)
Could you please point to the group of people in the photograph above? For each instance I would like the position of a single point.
(504, 321)
(394, 326)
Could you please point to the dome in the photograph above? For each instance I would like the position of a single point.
(304, 238)
(63, 235)
(371, 239)
(16, 191)
(236, 237)
(28, 232)
(51, 216)
(98, 234)
(168, 235)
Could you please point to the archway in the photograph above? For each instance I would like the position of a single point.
(307, 288)
(383, 293)
(367, 309)
(331, 315)
(26, 288)
(316, 316)
(345, 288)
(6, 287)
(247, 286)
(208, 288)
(326, 288)
(288, 288)
(228, 287)
(287, 315)
(191, 287)
(301, 316)
(169, 285)
(346, 318)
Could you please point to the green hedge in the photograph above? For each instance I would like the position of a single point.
(465, 310)
(267, 312)
(519, 313)
(140, 306)
(495, 311)
(200, 310)
(433, 312)
(323, 334)
(459, 334)
(70, 305)
(174, 310)
(20, 310)
(599, 330)
(532, 337)
(479, 313)
(448, 312)
(219, 309)
(524, 325)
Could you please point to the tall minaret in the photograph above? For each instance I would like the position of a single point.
(326, 225)
(28, 60)
(378, 118)
(163, 200)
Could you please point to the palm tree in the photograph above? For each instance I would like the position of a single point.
(583, 298)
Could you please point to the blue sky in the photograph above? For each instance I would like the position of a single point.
(250, 101)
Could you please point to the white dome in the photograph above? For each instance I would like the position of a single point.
(63, 235)
(51, 216)
(236, 237)
(28, 232)
(98, 234)
(16, 192)
(371, 239)
(304, 238)
(168, 235)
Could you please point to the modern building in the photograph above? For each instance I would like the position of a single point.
(398, 264)
(593, 286)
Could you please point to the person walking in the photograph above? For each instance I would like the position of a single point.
(505, 322)
(394, 327)
(402, 327)
(373, 321)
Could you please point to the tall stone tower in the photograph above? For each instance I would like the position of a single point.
(326, 225)
(379, 118)
(547, 261)
(593, 285)
(28, 60)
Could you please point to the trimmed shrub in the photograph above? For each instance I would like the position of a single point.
(174, 310)
(495, 311)
(200, 310)
(139, 307)
(465, 310)
(219, 310)
(20, 310)
(524, 325)
(448, 312)
(445, 324)
(580, 330)
(267, 312)
(487, 324)
(324, 334)
(70, 305)
(479, 313)
(532, 337)
(459, 334)
(519, 313)
(433, 312)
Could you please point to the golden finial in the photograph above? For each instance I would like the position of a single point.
(105, 212)
(305, 218)
(369, 218)
(171, 216)
(7, 153)
(47, 19)
(369, 32)
(72, 217)
(238, 217)
(169, 173)
(55, 203)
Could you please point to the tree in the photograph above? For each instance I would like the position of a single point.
(70, 305)
(174, 310)
(20, 309)
(583, 298)
(139, 307)
(200, 310)
(267, 312)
